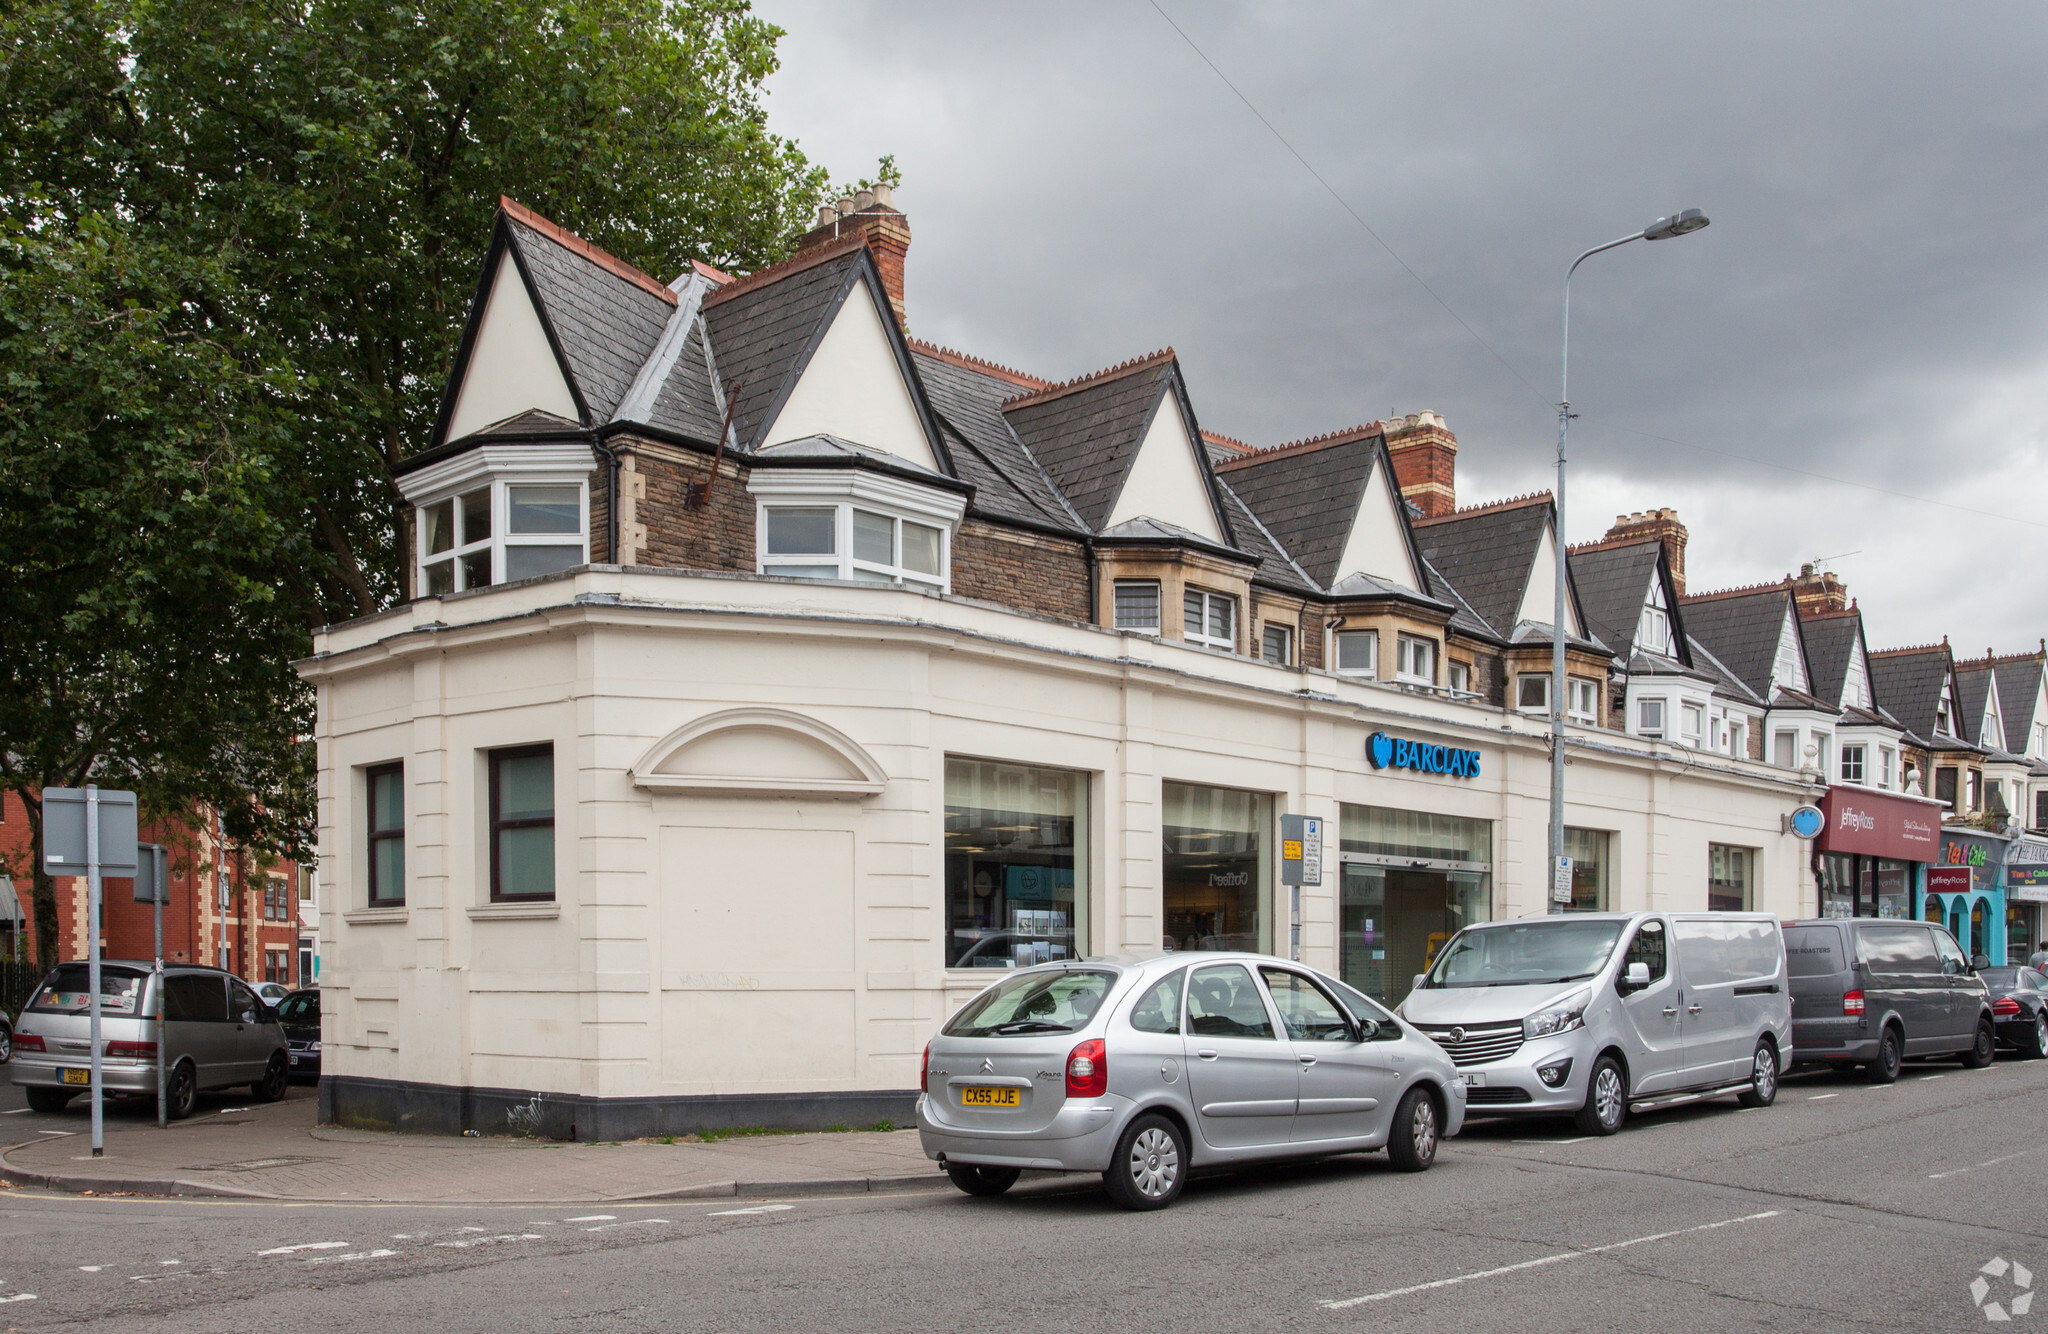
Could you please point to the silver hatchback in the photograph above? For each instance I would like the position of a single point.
(1143, 1069)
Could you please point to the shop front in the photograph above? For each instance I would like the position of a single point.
(1872, 850)
(2026, 890)
(1411, 881)
(1966, 892)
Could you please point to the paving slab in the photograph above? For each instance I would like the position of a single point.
(276, 1151)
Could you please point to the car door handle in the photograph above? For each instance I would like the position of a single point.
(1692, 1009)
(1206, 1055)
(1670, 1012)
(1306, 1061)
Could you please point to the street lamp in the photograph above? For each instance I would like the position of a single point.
(1682, 223)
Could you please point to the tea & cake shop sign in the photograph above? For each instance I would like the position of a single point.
(1389, 752)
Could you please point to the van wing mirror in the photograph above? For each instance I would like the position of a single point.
(1416, 985)
(1638, 974)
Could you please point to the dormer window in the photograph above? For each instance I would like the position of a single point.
(848, 523)
(1415, 661)
(499, 532)
(1653, 631)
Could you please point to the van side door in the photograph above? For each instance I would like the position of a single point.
(1906, 980)
(198, 1012)
(1651, 1022)
(1716, 1048)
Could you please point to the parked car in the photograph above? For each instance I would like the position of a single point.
(1595, 1015)
(299, 1012)
(1876, 991)
(1145, 1069)
(218, 1033)
(2019, 1008)
(270, 993)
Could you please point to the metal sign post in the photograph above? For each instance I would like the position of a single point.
(153, 886)
(90, 831)
(1301, 863)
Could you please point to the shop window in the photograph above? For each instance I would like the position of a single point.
(1585, 701)
(1411, 881)
(1137, 605)
(1358, 652)
(1852, 764)
(1216, 874)
(1209, 619)
(1532, 692)
(1729, 884)
(1016, 864)
(1588, 850)
(1650, 719)
(1415, 660)
(1277, 645)
(522, 830)
(1945, 787)
(1461, 678)
(1692, 724)
(384, 786)
(501, 531)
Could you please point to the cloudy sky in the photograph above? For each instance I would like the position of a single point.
(1853, 358)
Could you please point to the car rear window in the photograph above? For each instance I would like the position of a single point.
(1813, 951)
(68, 990)
(2000, 979)
(1033, 1003)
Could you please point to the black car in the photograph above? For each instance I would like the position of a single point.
(2019, 1008)
(299, 1012)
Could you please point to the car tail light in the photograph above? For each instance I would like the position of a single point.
(924, 1070)
(2005, 1005)
(28, 1042)
(1088, 1070)
(1852, 1003)
(134, 1051)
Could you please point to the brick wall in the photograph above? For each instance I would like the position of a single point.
(1311, 635)
(1425, 459)
(1029, 571)
(718, 537)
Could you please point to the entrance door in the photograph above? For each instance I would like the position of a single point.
(1417, 926)
(1244, 1080)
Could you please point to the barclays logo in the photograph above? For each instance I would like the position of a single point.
(1424, 757)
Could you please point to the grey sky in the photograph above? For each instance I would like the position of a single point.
(1870, 303)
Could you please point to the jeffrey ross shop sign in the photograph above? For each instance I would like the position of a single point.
(1879, 824)
(1387, 752)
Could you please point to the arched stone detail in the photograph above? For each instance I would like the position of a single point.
(764, 751)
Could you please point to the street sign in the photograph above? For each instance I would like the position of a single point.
(64, 841)
(1561, 881)
(152, 873)
(1807, 821)
(1301, 850)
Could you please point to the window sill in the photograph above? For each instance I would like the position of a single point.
(484, 912)
(374, 916)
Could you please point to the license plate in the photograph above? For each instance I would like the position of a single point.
(75, 1076)
(975, 1095)
(295, 1058)
(1475, 1079)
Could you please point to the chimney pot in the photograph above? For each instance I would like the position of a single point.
(826, 214)
(864, 201)
(884, 195)
(845, 205)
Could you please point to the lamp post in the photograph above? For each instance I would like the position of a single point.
(1678, 224)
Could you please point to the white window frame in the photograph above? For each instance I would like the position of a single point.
(1521, 705)
(1116, 610)
(1209, 598)
(1738, 737)
(845, 490)
(1407, 648)
(1887, 766)
(498, 467)
(500, 539)
(1644, 727)
(1692, 723)
(1653, 627)
(1370, 638)
(1586, 711)
(1286, 633)
(1788, 740)
(1458, 678)
(1854, 755)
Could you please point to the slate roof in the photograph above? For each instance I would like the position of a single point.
(1009, 483)
(685, 403)
(1612, 582)
(1308, 496)
(1973, 687)
(1486, 554)
(605, 324)
(1276, 568)
(759, 334)
(1724, 677)
(1908, 684)
(1463, 619)
(1830, 646)
(1742, 631)
(1087, 436)
(2019, 683)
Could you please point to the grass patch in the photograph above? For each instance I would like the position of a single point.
(884, 1124)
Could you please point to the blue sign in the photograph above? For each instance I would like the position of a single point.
(1807, 822)
(1422, 756)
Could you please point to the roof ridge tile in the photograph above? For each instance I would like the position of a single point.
(1610, 544)
(968, 361)
(1740, 591)
(1327, 440)
(1909, 649)
(1467, 511)
(1228, 442)
(1093, 378)
(575, 244)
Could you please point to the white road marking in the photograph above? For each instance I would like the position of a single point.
(227, 1111)
(1928, 1077)
(305, 1246)
(593, 1218)
(170, 1262)
(1958, 1171)
(1559, 1258)
(1821, 1097)
(378, 1254)
(1579, 1139)
(56, 1132)
(401, 1236)
(19, 1297)
(757, 1209)
(17, 1111)
(467, 1242)
(92, 1269)
(635, 1222)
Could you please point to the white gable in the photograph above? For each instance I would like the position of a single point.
(1539, 599)
(1653, 625)
(2037, 721)
(511, 367)
(1166, 481)
(1788, 669)
(1856, 681)
(1993, 725)
(1376, 545)
(854, 388)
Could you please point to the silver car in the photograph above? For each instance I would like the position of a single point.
(218, 1034)
(1143, 1069)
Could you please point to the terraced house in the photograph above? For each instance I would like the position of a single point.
(770, 677)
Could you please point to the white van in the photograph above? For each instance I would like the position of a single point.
(1594, 1014)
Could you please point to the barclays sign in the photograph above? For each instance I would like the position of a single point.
(1388, 752)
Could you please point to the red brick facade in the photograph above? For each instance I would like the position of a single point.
(1425, 457)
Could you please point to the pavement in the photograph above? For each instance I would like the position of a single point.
(275, 1152)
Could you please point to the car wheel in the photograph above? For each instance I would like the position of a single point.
(1412, 1140)
(6, 1042)
(1984, 1050)
(48, 1101)
(276, 1076)
(1606, 1099)
(981, 1180)
(1763, 1078)
(1150, 1164)
(1885, 1068)
(181, 1092)
(2036, 1045)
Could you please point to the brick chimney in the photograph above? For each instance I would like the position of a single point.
(1819, 592)
(1425, 458)
(1662, 525)
(872, 214)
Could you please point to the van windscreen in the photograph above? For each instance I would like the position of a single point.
(1515, 954)
(1811, 951)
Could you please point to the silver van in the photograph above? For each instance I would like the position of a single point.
(1597, 1014)
(218, 1034)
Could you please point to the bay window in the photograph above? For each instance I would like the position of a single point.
(1852, 764)
(1137, 605)
(849, 542)
(1650, 719)
(1415, 660)
(1209, 619)
(1692, 724)
(501, 531)
(1585, 701)
(1357, 652)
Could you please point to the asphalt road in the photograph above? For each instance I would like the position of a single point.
(1844, 1207)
